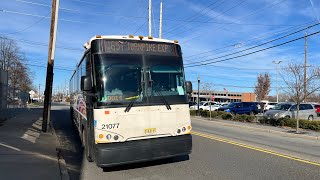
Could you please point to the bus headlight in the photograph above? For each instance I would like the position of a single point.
(108, 136)
(183, 130)
(116, 137)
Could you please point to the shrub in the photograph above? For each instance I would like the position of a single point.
(193, 112)
(251, 118)
(236, 117)
(226, 116)
(220, 113)
(214, 114)
(290, 123)
(244, 118)
(204, 113)
(262, 120)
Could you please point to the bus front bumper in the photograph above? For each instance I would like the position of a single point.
(108, 155)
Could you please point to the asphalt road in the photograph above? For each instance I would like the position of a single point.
(210, 159)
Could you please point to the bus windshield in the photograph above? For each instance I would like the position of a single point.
(119, 79)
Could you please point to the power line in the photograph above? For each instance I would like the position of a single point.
(287, 42)
(43, 44)
(88, 2)
(55, 68)
(240, 43)
(242, 18)
(28, 27)
(269, 34)
(199, 13)
(259, 44)
(221, 13)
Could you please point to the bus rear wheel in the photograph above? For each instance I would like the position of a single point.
(71, 118)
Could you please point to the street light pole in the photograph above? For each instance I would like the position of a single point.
(198, 94)
(277, 63)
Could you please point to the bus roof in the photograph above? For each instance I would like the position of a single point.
(129, 37)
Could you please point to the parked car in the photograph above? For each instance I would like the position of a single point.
(277, 111)
(269, 105)
(191, 103)
(317, 107)
(240, 108)
(195, 107)
(214, 107)
(287, 110)
(205, 105)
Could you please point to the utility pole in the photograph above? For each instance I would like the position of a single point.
(150, 16)
(160, 26)
(305, 68)
(51, 53)
(39, 94)
(277, 63)
(198, 95)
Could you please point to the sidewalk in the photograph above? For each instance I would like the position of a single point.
(25, 151)
(308, 134)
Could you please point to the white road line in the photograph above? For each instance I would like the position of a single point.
(10, 147)
(29, 138)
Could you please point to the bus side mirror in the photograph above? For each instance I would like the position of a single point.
(189, 87)
(85, 83)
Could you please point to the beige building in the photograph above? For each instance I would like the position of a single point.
(223, 96)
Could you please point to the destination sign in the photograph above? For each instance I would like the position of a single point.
(137, 47)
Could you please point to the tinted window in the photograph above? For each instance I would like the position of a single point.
(308, 106)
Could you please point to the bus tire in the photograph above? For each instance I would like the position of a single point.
(86, 146)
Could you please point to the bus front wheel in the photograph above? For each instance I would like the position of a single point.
(86, 146)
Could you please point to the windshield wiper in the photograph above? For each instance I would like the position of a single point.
(134, 98)
(163, 99)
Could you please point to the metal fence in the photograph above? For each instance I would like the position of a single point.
(3, 90)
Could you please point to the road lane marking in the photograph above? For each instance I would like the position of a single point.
(253, 148)
(10, 147)
(33, 133)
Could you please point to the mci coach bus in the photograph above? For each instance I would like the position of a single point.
(129, 100)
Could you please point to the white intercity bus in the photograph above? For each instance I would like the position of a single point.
(129, 100)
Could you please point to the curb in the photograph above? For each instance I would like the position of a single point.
(261, 129)
(61, 162)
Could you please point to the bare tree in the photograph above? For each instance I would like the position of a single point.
(9, 52)
(262, 88)
(293, 76)
(11, 60)
(207, 88)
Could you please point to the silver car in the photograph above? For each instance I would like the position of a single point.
(287, 110)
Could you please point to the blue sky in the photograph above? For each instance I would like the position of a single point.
(205, 29)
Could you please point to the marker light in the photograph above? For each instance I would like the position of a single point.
(98, 36)
(140, 37)
(100, 136)
(179, 131)
(183, 129)
(131, 36)
(176, 41)
(189, 127)
(150, 37)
